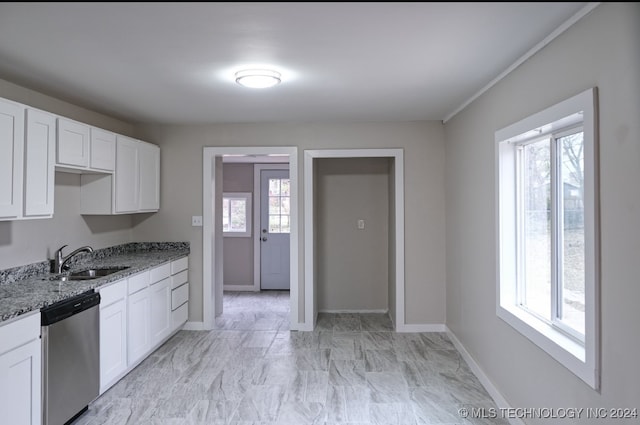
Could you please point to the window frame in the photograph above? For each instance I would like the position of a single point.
(246, 197)
(579, 356)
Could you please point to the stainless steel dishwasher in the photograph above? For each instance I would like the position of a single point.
(70, 357)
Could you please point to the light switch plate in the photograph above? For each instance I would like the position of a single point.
(360, 224)
(196, 221)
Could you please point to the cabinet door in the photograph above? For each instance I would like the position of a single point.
(113, 343)
(73, 143)
(103, 150)
(20, 384)
(138, 326)
(11, 159)
(39, 164)
(160, 310)
(149, 177)
(126, 175)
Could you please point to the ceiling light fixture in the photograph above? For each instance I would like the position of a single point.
(257, 78)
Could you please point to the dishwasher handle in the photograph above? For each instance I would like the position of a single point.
(67, 308)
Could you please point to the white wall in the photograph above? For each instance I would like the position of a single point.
(352, 264)
(423, 144)
(600, 50)
(31, 241)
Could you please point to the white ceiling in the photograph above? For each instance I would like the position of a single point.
(340, 61)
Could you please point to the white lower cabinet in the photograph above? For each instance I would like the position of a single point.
(160, 310)
(21, 371)
(138, 326)
(113, 333)
(179, 292)
(137, 315)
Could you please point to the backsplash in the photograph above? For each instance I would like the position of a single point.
(24, 272)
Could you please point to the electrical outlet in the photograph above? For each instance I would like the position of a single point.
(196, 221)
(360, 224)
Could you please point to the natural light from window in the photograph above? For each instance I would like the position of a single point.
(236, 214)
(548, 231)
(279, 206)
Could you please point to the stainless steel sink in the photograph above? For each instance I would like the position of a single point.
(93, 273)
(89, 274)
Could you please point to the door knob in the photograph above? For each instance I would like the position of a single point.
(264, 239)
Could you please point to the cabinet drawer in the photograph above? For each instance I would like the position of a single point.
(112, 293)
(179, 265)
(179, 316)
(160, 272)
(179, 279)
(179, 296)
(19, 332)
(138, 282)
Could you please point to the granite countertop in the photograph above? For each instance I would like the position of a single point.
(29, 288)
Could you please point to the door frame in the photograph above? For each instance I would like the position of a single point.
(310, 306)
(257, 189)
(212, 284)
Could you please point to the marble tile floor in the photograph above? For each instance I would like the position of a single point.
(251, 370)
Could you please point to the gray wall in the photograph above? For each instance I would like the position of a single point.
(423, 144)
(31, 241)
(352, 270)
(238, 252)
(600, 50)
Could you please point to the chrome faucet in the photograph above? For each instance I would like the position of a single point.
(61, 262)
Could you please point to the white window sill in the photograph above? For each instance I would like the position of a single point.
(565, 350)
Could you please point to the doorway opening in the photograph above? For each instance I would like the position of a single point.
(352, 235)
(236, 235)
(256, 223)
(315, 270)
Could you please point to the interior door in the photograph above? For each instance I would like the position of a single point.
(275, 202)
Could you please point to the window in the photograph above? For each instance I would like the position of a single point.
(548, 237)
(236, 214)
(279, 206)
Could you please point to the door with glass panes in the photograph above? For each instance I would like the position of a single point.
(274, 229)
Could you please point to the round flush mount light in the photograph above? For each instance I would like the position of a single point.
(257, 78)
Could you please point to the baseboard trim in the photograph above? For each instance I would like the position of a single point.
(193, 326)
(301, 327)
(414, 328)
(238, 288)
(500, 401)
(374, 311)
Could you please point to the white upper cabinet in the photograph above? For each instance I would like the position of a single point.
(119, 174)
(11, 159)
(127, 188)
(26, 162)
(39, 172)
(103, 150)
(149, 177)
(137, 176)
(84, 149)
(73, 144)
(134, 186)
